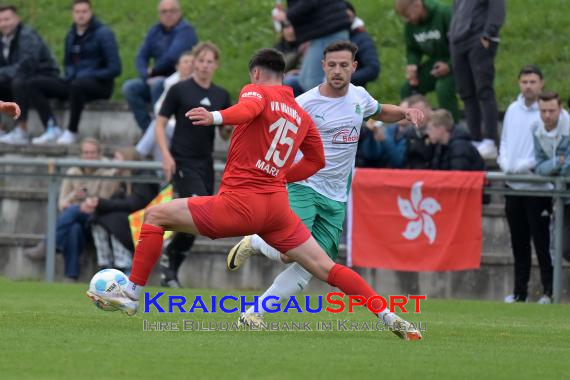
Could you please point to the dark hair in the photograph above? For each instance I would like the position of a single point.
(350, 7)
(341, 46)
(4, 8)
(547, 96)
(75, 2)
(531, 69)
(268, 59)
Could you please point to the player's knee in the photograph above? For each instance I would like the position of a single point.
(286, 259)
(154, 215)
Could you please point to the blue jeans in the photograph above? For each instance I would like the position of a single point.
(311, 70)
(70, 238)
(141, 96)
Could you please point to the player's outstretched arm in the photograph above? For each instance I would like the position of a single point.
(10, 108)
(241, 113)
(391, 114)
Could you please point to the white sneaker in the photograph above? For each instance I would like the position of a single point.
(544, 300)
(250, 320)
(67, 138)
(120, 301)
(511, 298)
(488, 150)
(50, 136)
(402, 328)
(16, 137)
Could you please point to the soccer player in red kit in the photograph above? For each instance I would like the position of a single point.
(270, 128)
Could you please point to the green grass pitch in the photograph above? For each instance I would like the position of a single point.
(52, 331)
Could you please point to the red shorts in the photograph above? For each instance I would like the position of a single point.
(233, 213)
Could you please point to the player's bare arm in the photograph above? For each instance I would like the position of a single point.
(168, 163)
(10, 108)
(241, 113)
(391, 113)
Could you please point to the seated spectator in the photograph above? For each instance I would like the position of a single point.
(384, 146)
(419, 149)
(368, 68)
(147, 144)
(91, 62)
(293, 53)
(164, 43)
(454, 150)
(24, 55)
(75, 204)
(427, 51)
(110, 218)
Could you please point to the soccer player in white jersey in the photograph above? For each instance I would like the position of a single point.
(338, 109)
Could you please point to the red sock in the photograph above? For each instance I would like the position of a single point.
(147, 253)
(351, 283)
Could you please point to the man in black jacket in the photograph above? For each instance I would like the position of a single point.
(320, 22)
(454, 150)
(23, 55)
(473, 41)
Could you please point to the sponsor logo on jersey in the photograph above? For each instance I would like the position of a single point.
(252, 94)
(205, 102)
(429, 35)
(322, 117)
(346, 136)
(357, 109)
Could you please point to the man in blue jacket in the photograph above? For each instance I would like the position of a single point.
(164, 43)
(91, 63)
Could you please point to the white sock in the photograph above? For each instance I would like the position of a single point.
(387, 317)
(292, 280)
(133, 290)
(260, 245)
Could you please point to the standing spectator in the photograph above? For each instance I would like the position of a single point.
(320, 22)
(147, 144)
(164, 43)
(474, 40)
(75, 204)
(368, 68)
(91, 63)
(188, 160)
(528, 217)
(427, 51)
(454, 150)
(24, 55)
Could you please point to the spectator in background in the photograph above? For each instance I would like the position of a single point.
(110, 218)
(384, 146)
(419, 150)
(368, 68)
(91, 63)
(293, 53)
(528, 216)
(454, 150)
(427, 51)
(552, 149)
(164, 43)
(24, 55)
(147, 144)
(474, 40)
(75, 204)
(320, 23)
(188, 161)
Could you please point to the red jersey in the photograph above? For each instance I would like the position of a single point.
(270, 128)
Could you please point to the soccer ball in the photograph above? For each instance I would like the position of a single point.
(106, 281)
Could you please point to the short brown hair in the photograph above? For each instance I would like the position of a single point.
(415, 99)
(442, 118)
(547, 96)
(341, 45)
(75, 2)
(4, 8)
(206, 46)
(92, 141)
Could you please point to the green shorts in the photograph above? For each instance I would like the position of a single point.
(323, 216)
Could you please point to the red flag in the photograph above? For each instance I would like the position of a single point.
(415, 220)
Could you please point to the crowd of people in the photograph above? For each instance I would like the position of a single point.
(448, 50)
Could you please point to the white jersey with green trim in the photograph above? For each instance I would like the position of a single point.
(338, 121)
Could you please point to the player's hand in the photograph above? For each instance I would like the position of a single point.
(440, 69)
(412, 75)
(200, 116)
(415, 116)
(11, 109)
(485, 42)
(168, 165)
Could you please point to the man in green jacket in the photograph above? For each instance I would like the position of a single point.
(427, 51)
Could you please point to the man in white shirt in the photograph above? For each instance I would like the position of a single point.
(527, 216)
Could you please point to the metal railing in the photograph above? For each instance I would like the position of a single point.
(54, 172)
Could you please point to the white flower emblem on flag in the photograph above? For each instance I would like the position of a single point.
(419, 211)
